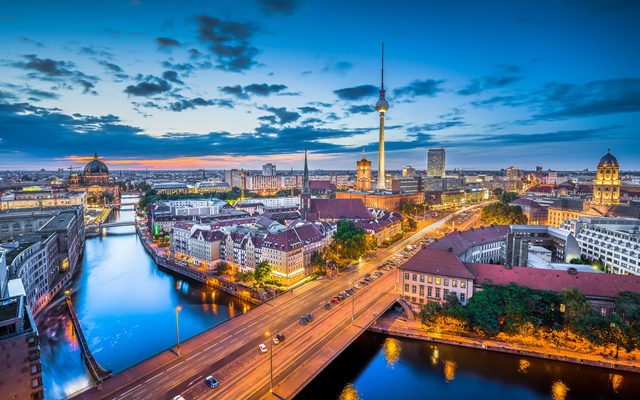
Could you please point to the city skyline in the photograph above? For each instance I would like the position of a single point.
(147, 86)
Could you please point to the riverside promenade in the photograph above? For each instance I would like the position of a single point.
(396, 326)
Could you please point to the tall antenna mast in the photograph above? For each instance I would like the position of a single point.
(382, 87)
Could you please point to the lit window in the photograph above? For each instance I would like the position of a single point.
(437, 280)
(463, 284)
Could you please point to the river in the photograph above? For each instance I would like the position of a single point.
(126, 306)
(379, 367)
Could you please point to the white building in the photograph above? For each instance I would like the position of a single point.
(614, 241)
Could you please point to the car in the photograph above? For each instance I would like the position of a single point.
(356, 286)
(263, 348)
(366, 276)
(303, 320)
(309, 317)
(178, 397)
(335, 300)
(327, 306)
(211, 382)
(280, 337)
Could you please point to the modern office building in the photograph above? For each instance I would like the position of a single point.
(42, 198)
(269, 169)
(436, 162)
(408, 171)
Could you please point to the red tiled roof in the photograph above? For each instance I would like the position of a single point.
(590, 283)
(322, 185)
(293, 237)
(461, 241)
(437, 262)
(339, 209)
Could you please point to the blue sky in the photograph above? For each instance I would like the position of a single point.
(220, 84)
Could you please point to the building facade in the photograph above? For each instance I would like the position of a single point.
(606, 185)
(436, 162)
(363, 175)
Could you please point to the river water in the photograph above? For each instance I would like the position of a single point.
(126, 307)
(378, 367)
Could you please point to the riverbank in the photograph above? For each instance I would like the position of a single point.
(230, 288)
(400, 327)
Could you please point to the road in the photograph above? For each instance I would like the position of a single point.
(230, 351)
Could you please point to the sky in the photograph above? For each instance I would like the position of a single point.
(237, 83)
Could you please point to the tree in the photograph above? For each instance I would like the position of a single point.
(319, 262)
(508, 197)
(222, 267)
(409, 224)
(502, 214)
(430, 313)
(351, 242)
(263, 271)
(578, 313)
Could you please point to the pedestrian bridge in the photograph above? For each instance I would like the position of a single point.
(110, 224)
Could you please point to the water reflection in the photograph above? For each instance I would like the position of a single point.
(349, 393)
(127, 309)
(427, 371)
(449, 370)
(391, 351)
(559, 390)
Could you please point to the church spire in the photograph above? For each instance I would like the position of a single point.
(305, 177)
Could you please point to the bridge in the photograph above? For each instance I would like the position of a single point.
(110, 224)
(98, 373)
(230, 351)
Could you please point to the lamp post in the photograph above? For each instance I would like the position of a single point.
(178, 309)
(270, 362)
(353, 304)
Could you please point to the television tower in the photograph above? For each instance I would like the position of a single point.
(381, 106)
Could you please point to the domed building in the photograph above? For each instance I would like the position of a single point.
(606, 185)
(95, 172)
(95, 179)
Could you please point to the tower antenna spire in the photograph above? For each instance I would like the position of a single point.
(382, 85)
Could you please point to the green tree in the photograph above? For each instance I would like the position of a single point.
(578, 312)
(263, 271)
(351, 242)
(222, 267)
(502, 214)
(430, 312)
(508, 197)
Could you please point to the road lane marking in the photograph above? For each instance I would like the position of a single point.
(130, 390)
(154, 377)
(193, 381)
(169, 369)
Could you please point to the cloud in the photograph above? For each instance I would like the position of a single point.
(613, 96)
(40, 94)
(27, 40)
(114, 69)
(150, 86)
(427, 87)
(172, 76)
(339, 67)
(56, 71)
(186, 104)
(257, 89)
(229, 42)
(361, 109)
(167, 43)
(278, 6)
(281, 116)
(506, 75)
(356, 92)
(308, 109)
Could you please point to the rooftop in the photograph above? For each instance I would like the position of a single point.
(437, 262)
(461, 241)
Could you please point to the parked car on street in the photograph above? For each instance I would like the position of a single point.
(211, 382)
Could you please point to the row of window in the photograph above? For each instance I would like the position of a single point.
(438, 280)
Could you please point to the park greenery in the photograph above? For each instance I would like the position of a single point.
(349, 243)
(261, 276)
(502, 214)
(411, 208)
(564, 320)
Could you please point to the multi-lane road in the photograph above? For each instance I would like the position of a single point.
(230, 351)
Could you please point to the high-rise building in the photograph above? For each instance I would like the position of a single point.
(381, 106)
(269, 169)
(606, 186)
(436, 162)
(363, 174)
(512, 173)
(408, 171)
(236, 178)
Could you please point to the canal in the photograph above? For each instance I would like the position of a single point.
(379, 367)
(126, 306)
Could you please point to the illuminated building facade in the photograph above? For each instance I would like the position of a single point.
(363, 175)
(606, 186)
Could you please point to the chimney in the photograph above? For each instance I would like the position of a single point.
(450, 249)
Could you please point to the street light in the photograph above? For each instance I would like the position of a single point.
(270, 362)
(353, 304)
(178, 309)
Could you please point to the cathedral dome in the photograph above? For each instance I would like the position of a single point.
(608, 160)
(96, 166)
